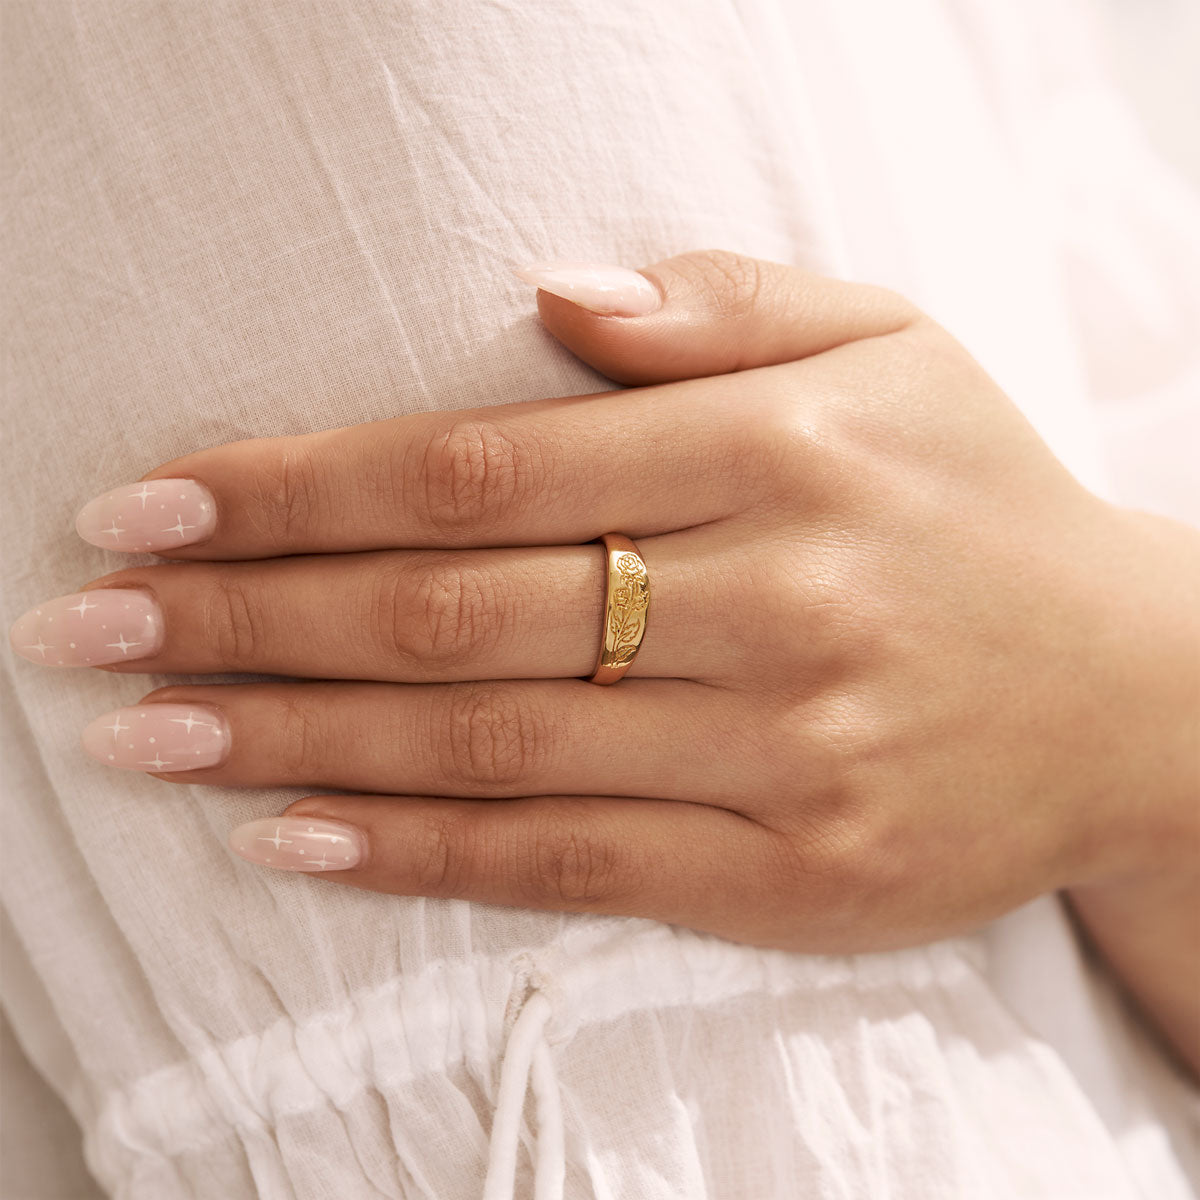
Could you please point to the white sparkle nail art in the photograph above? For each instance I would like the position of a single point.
(122, 519)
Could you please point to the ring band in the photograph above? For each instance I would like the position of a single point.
(626, 607)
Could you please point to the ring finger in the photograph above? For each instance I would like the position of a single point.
(412, 616)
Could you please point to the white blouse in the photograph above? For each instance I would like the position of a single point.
(242, 218)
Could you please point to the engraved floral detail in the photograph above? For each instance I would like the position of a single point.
(631, 566)
(627, 612)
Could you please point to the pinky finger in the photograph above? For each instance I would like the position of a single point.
(687, 864)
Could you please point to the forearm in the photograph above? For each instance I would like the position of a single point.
(1149, 933)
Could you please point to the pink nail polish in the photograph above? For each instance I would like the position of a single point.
(161, 514)
(159, 737)
(609, 291)
(89, 629)
(299, 844)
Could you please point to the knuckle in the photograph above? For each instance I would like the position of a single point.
(234, 622)
(726, 284)
(301, 743)
(837, 850)
(573, 870)
(860, 865)
(845, 834)
(493, 740)
(290, 497)
(443, 616)
(780, 444)
(444, 858)
(801, 450)
(467, 477)
(825, 839)
(790, 433)
(829, 862)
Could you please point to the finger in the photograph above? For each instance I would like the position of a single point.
(687, 864)
(521, 737)
(539, 473)
(709, 312)
(413, 616)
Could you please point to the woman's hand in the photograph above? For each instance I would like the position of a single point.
(901, 672)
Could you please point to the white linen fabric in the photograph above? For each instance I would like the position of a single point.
(242, 218)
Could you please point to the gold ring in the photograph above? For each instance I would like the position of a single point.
(626, 607)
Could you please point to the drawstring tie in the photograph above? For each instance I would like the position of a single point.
(527, 1061)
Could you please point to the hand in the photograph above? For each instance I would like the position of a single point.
(901, 674)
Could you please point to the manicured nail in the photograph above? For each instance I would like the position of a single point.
(162, 514)
(299, 844)
(159, 737)
(610, 291)
(89, 629)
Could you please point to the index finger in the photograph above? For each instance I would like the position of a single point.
(541, 472)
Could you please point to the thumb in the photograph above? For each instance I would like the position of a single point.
(708, 312)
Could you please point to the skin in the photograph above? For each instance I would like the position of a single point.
(902, 673)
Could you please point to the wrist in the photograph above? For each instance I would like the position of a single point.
(1152, 825)
(1148, 931)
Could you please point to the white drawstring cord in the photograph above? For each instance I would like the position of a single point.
(551, 1167)
(527, 1059)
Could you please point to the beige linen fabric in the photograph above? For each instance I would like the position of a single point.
(229, 219)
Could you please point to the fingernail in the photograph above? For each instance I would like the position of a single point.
(610, 291)
(89, 629)
(159, 737)
(299, 844)
(161, 514)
